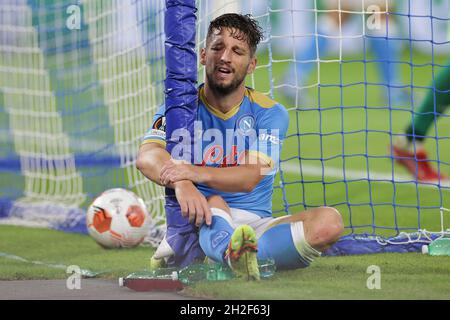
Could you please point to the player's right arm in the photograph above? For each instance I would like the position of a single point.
(151, 158)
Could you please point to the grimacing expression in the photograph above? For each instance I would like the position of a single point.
(227, 61)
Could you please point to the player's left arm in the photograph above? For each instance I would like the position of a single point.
(261, 159)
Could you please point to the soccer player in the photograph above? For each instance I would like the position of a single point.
(408, 148)
(227, 193)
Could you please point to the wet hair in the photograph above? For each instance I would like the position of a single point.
(242, 27)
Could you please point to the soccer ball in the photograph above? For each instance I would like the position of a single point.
(118, 218)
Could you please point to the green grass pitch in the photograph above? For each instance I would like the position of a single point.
(403, 276)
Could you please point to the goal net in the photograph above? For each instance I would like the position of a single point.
(79, 84)
(81, 80)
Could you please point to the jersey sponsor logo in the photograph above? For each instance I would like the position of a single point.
(225, 147)
(215, 155)
(269, 137)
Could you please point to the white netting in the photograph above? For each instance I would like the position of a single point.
(35, 125)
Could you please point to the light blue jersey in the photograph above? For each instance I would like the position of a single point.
(257, 126)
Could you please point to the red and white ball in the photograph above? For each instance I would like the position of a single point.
(118, 218)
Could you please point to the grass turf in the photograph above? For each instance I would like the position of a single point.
(59, 248)
(403, 276)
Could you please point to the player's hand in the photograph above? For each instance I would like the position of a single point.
(173, 172)
(193, 204)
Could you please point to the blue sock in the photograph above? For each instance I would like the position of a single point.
(387, 52)
(286, 244)
(214, 239)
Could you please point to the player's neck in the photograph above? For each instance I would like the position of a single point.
(224, 103)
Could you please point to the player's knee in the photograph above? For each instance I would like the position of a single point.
(333, 225)
(329, 227)
(217, 201)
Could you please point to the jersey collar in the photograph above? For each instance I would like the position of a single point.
(215, 111)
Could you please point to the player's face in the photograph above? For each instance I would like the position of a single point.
(227, 61)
